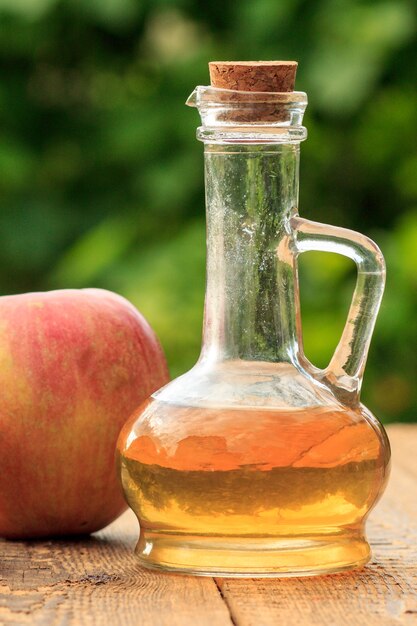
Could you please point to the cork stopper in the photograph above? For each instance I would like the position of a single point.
(270, 76)
(254, 89)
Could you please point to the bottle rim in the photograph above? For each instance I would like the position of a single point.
(262, 117)
(214, 96)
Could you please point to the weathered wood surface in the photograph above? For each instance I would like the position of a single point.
(97, 581)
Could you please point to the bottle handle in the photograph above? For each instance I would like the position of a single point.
(345, 371)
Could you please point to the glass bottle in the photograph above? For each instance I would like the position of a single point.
(256, 462)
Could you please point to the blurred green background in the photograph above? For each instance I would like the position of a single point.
(101, 180)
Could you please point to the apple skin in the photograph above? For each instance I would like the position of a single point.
(74, 364)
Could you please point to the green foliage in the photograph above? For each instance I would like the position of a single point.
(101, 177)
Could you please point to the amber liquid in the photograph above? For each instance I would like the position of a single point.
(249, 473)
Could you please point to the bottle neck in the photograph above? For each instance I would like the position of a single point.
(251, 306)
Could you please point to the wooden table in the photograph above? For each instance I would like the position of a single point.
(97, 581)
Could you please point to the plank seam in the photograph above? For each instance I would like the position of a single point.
(229, 608)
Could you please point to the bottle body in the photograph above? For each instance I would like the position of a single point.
(249, 488)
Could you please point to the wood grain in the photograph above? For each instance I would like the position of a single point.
(97, 580)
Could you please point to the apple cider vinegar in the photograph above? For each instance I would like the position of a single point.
(248, 475)
(255, 462)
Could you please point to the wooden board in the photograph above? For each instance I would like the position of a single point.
(97, 581)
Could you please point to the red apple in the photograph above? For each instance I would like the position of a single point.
(74, 364)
